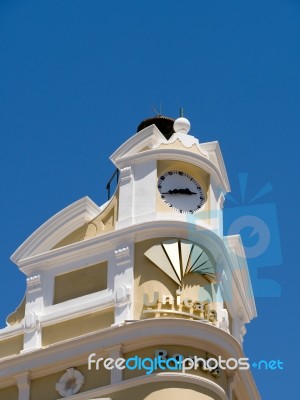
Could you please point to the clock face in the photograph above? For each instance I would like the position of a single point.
(181, 192)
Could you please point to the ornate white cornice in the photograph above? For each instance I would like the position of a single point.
(126, 174)
(187, 141)
(33, 282)
(122, 255)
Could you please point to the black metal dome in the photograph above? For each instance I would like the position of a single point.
(164, 124)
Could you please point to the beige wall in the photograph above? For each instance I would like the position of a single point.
(104, 222)
(11, 346)
(94, 378)
(44, 388)
(10, 393)
(77, 326)
(148, 278)
(76, 236)
(80, 282)
(165, 391)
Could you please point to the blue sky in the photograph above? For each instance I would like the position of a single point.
(77, 77)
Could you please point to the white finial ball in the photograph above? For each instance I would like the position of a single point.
(182, 125)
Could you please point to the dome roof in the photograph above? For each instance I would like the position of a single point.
(164, 124)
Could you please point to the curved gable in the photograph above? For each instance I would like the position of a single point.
(56, 228)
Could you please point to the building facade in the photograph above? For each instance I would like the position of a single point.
(142, 297)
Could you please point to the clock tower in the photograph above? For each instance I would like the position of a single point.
(142, 297)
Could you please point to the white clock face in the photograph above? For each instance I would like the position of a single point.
(181, 192)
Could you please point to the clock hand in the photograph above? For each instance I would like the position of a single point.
(186, 191)
(180, 191)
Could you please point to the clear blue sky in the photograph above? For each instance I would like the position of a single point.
(76, 78)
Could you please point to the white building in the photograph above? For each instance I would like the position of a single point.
(148, 274)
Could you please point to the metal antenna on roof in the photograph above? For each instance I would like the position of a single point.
(181, 111)
(155, 110)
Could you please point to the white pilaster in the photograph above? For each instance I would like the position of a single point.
(33, 308)
(145, 189)
(124, 283)
(126, 198)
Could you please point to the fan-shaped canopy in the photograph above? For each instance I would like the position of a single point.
(179, 257)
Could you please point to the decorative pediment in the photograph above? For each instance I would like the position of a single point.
(57, 228)
(149, 137)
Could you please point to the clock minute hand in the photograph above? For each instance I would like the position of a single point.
(180, 191)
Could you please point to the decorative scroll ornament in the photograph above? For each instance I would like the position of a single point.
(70, 383)
(122, 295)
(30, 322)
(179, 257)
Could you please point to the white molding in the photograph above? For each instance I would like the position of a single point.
(61, 258)
(11, 331)
(99, 301)
(187, 141)
(215, 155)
(57, 228)
(237, 254)
(98, 244)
